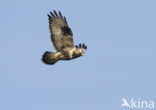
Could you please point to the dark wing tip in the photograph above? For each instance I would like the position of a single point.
(65, 20)
(80, 45)
(52, 14)
(63, 17)
(55, 13)
(60, 15)
(49, 16)
(85, 47)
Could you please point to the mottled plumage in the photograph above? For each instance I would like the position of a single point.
(62, 39)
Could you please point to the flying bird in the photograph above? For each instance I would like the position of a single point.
(62, 39)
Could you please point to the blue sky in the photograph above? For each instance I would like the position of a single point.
(120, 60)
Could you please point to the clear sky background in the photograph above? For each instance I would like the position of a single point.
(120, 60)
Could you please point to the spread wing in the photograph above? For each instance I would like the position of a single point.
(61, 34)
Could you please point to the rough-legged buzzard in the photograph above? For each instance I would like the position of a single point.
(62, 39)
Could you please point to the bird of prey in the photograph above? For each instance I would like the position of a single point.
(62, 39)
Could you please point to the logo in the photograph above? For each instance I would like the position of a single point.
(137, 104)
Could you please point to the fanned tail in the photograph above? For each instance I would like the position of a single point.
(49, 58)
